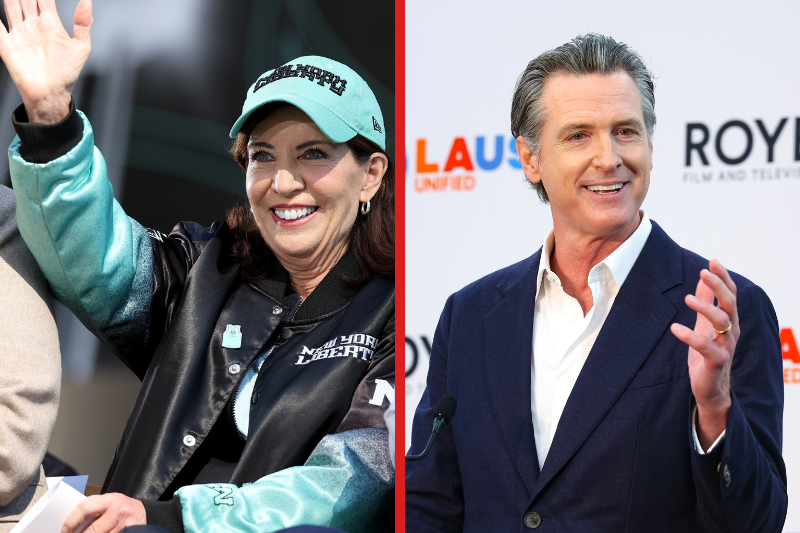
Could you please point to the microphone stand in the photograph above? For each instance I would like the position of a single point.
(438, 422)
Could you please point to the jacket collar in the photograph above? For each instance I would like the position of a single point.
(639, 317)
(332, 293)
(507, 363)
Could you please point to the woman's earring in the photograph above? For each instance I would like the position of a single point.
(365, 207)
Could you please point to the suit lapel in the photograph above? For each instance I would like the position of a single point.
(639, 317)
(507, 359)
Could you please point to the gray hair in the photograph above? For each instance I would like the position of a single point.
(586, 54)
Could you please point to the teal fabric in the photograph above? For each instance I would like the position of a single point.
(344, 484)
(337, 99)
(98, 261)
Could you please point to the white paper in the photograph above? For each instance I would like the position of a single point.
(76, 482)
(47, 515)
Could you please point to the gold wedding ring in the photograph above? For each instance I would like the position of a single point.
(724, 331)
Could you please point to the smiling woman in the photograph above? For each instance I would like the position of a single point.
(233, 428)
(305, 197)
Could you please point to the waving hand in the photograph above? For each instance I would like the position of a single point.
(711, 347)
(42, 59)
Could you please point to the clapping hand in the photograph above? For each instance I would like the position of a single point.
(42, 59)
(711, 347)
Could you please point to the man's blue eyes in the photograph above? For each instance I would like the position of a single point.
(625, 132)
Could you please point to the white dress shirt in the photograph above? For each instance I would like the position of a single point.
(563, 336)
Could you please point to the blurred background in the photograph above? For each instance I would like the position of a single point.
(164, 84)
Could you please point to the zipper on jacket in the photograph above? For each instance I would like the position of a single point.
(240, 384)
(280, 341)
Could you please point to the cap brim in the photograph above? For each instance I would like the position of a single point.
(331, 125)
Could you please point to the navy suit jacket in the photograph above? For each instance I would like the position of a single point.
(622, 459)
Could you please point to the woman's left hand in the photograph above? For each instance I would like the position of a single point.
(113, 512)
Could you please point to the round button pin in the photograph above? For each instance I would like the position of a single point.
(234, 369)
(277, 311)
(189, 440)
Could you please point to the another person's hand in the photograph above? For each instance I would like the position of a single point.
(710, 352)
(114, 512)
(42, 59)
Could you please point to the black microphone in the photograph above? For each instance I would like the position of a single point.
(442, 415)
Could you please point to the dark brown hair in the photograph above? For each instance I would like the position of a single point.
(372, 236)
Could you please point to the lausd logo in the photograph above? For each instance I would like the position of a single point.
(791, 357)
(457, 172)
(731, 145)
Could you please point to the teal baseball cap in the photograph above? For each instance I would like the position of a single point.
(339, 102)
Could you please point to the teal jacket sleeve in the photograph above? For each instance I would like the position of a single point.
(345, 484)
(98, 261)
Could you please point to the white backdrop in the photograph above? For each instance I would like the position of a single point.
(714, 62)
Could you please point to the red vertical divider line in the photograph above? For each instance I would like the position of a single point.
(400, 260)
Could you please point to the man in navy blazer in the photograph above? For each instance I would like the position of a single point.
(611, 423)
